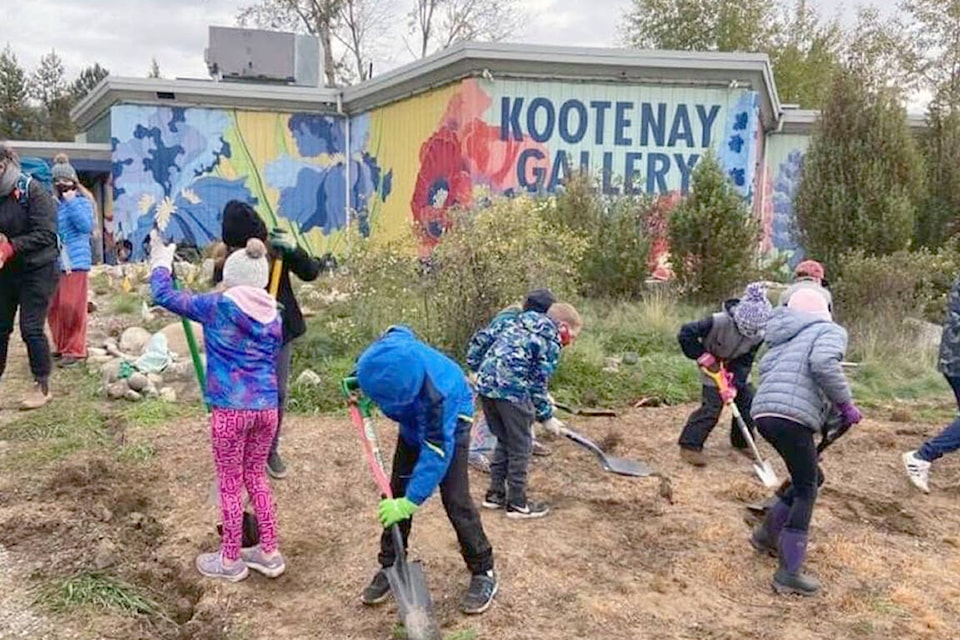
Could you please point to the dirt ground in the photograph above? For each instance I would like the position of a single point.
(615, 560)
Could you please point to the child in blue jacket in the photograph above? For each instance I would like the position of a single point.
(427, 394)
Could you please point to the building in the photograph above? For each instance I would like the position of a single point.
(410, 144)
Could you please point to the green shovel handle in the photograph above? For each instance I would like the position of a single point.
(192, 345)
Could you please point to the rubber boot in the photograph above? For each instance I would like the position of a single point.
(766, 536)
(788, 578)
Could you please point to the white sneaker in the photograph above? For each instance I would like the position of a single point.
(918, 470)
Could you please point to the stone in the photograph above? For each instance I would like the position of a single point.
(206, 271)
(95, 352)
(138, 382)
(134, 340)
(102, 513)
(92, 306)
(181, 371)
(177, 339)
(631, 358)
(151, 392)
(132, 396)
(155, 379)
(308, 379)
(106, 555)
(117, 390)
(111, 370)
(168, 395)
(99, 360)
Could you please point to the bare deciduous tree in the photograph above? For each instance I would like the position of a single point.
(440, 23)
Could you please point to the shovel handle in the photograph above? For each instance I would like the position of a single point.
(275, 272)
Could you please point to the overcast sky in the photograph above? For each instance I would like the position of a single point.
(123, 35)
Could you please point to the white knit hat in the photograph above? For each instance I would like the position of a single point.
(247, 268)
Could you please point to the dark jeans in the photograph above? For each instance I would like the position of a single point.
(948, 440)
(30, 291)
(702, 421)
(510, 423)
(455, 494)
(794, 442)
(283, 378)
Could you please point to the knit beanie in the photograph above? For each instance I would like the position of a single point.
(810, 269)
(539, 300)
(240, 223)
(809, 300)
(753, 310)
(62, 170)
(247, 268)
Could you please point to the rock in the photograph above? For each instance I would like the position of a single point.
(132, 396)
(111, 371)
(181, 371)
(102, 513)
(177, 339)
(138, 382)
(92, 306)
(133, 340)
(155, 379)
(99, 360)
(631, 358)
(308, 313)
(117, 390)
(927, 334)
(95, 352)
(136, 519)
(308, 379)
(168, 395)
(185, 271)
(206, 271)
(106, 555)
(151, 392)
(611, 365)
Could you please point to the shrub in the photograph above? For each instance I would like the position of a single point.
(713, 235)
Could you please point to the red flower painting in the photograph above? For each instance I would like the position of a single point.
(442, 183)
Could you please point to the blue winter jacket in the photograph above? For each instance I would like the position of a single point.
(426, 393)
(800, 376)
(482, 340)
(75, 226)
(520, 362)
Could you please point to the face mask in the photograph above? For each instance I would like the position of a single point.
(566, 336)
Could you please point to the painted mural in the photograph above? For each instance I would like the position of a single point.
(176, 168)
(783, 164)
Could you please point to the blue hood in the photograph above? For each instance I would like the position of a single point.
(785, 324)
(393, 388)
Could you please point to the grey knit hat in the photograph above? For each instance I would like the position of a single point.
(62, 170)
(247, 268)
(753, 311)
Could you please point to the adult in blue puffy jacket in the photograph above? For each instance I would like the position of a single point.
(802, 385)
(426, 393)
(68, 310)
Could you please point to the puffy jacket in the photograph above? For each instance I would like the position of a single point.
(806, 283)
(426, 393)
(482, 340)
(949, 361)
(718, 334)
(75, 226)
(518, 365)
(242, 334)
(31, 226)
(800, 376)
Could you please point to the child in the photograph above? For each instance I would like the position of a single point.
(538, 300)
(917, 463)
(242, 333)
(801, 383)
(427, 394)
(240, 223)
(809, 274)
(730, 338)
(513, 392)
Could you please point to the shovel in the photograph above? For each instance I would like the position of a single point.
(761, 467)
(621, 466)
(585, 411)
(407, 581)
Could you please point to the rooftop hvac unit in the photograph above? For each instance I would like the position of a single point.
(264, 56)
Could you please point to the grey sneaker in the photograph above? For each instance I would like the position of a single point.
(255, 559)
(479, 596)
(494, 500)
(275, 466)
(527, 511)
(212, 566)
(377, 591)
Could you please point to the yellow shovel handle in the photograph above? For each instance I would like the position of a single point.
(275, 273)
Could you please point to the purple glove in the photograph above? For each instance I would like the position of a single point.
(849, 413)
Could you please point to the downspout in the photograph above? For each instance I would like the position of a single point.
(346, 165)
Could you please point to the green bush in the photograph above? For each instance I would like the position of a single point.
(713, 235)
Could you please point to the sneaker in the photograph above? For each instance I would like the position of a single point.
(256, 559)
(56, 355)
(693, 457)
(918, 470)
(211, 565)
(377, 591)
(479, 596)
(541, 450)
(36, 398)
(494, 501)
(69, 361)
(528, 511)
(275, 466)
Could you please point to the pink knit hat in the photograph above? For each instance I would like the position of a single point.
(809, 300)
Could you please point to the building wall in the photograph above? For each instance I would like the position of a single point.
(782, 165)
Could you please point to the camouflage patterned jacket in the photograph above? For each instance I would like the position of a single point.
(520, 362)
(950, 342)
(482, 340)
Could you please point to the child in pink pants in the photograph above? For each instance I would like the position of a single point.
(242, 332)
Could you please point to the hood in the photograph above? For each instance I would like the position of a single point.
(540, 325)
(730, 305)
(256, 303)
(785, 324)
(390, 371)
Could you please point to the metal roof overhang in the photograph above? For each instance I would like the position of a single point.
(803, 121)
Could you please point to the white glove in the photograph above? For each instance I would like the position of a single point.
(472, 379)
(552, 425)
(551, 400)
(161, 255)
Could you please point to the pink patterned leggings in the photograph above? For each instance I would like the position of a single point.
(241, 443)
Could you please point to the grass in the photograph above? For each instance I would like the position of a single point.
(126, 304)
(101, 591)
(141, 452)
(153, 413)
(399, 633)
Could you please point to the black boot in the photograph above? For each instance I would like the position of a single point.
(788, 578)
(766, 536)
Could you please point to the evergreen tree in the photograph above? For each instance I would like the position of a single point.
(713, 235)
(938, 215)
(88, 79)
(804, 56)
(49, 88)
(17, 120)
(862, 177)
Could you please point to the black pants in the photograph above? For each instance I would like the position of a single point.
(510, 423)
(702, 421)
(30, 292)
(455, 494)
(794, 442)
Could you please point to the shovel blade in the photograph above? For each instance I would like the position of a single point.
(626, 467)
(409, 588)
(766, 474)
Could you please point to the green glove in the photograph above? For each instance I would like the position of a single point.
(283, 240)
(395, 510)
